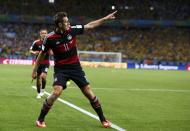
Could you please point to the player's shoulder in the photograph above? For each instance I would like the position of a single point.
(36, 41)
(51, 35)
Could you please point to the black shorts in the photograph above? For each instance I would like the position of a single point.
(42, 69)
(71, 72)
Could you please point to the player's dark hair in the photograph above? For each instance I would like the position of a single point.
(58, 18)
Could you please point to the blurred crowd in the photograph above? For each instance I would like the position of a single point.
(128, 9)
(150, 45)
(16, 39)
(143, 45)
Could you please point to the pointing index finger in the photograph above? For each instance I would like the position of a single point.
(114, 12)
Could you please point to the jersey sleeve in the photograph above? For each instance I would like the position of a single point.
(46, 45)
(77, 29)
(34, 46)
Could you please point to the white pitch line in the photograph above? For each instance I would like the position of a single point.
(137, 89)
(84, 111)
(161, 90)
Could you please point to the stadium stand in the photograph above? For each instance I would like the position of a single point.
(142, 45)
(152, 45)
(128, 9)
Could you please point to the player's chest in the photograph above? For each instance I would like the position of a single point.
(39, 46)
(65, 39)
(64, 43)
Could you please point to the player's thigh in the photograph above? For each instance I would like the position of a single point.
(44, 68)
(43, 75)
(60, 79)
(79, 78)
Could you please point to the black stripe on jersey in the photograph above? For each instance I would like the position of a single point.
(65, 55)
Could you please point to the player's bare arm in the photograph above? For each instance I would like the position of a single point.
(39, 59)
(34, 52)
(99, 22)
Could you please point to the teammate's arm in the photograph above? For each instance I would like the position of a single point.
(39, 59)
(33, 49)
(34, 52)
(98, 22)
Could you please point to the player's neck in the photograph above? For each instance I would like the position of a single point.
(60, 31)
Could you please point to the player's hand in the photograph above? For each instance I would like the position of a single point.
(37, 52)
(111, 16)
(34, 74)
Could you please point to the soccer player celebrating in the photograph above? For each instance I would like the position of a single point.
(43, 65)
(62, 41)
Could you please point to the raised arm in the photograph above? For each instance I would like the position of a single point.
(99, 22)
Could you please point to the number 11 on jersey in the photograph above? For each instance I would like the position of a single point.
(66, 47)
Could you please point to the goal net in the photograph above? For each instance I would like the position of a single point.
(100, 56)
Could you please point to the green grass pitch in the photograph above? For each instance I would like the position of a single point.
(136, 100)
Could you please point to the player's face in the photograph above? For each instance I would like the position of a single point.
(66, 23)
(43, 33)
